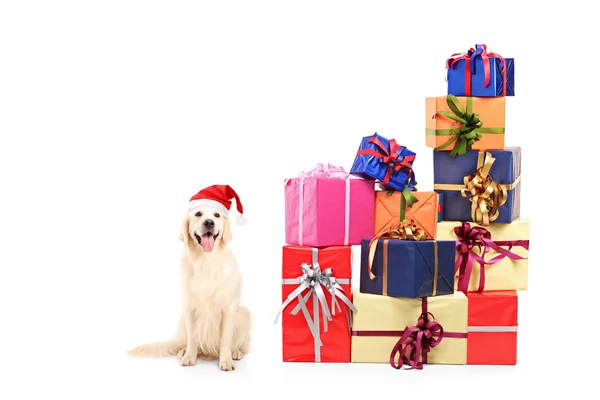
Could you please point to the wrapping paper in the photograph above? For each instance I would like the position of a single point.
(328, 211)
(381, 316)
(386, 162)
(406, 268)
(449, 174)
(480, 73)
(491, 111)
(506, 274)
(298, 341)
(391, 208)
(493, 320)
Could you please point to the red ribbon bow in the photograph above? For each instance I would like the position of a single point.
(416, 342)
(470, 237)
(390, 157)
(471, 55)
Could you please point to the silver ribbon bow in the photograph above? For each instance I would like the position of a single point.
(316, 281)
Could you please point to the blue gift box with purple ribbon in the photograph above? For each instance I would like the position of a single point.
(480, 73)
(384, 161)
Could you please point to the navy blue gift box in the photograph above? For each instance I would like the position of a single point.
(449, 174)
(408, 268)
(384, 161)
(480, 73)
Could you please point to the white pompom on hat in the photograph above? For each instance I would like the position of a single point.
(218, 197)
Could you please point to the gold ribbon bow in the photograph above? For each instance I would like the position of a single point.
(486, 196)
(406, 230)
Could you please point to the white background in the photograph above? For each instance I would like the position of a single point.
(114, 113)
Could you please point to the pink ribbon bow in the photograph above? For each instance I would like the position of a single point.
(325, 171)
(322, 171)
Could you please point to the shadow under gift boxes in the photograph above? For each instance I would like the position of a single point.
(463, 181)
(408, 268)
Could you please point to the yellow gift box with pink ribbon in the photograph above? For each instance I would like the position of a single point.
(494, 257)
(410, 332)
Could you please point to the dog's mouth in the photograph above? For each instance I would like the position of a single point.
(207, 241)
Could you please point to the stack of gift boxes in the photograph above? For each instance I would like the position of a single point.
(440, 269)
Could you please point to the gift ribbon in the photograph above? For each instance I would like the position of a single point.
(317, 281)
(471, 237)
(486, 196)
(407, 230)
(480, 51)
(491, 329)
(319, 172)
(392, 158)
(416, 341)
(406, 199)
(467, 133)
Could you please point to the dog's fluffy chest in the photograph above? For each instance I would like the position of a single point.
(210, 284)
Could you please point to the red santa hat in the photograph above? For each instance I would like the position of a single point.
(218, 197)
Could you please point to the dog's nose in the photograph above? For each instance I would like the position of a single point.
(209, 223)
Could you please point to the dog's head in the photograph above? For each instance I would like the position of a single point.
(205, 228)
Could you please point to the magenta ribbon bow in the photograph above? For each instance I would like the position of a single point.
(470, 237)
(416, 342)
(325, 171)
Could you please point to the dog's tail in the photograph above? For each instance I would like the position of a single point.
(158, 349)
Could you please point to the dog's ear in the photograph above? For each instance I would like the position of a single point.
(226, 231)
(184, 233)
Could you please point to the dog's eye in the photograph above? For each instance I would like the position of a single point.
(217, 215)
(198, 214)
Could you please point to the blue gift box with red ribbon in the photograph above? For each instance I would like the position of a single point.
(384, 161)
(480, 73)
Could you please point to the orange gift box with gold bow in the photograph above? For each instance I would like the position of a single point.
(481, 186)
(394, 207)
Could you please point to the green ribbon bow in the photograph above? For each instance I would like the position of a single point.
(470, 130)
(407, 199)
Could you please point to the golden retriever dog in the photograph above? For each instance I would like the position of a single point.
(213, 324)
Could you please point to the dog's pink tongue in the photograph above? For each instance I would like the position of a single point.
(208, 243)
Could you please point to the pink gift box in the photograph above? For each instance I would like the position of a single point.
(328, 207)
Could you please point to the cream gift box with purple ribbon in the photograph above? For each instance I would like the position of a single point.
(491, 258)
(328, 207)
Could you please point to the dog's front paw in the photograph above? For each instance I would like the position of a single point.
(237, 354)
(226, 364)
(188, 359)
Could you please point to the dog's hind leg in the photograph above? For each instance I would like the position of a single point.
(242, 335)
